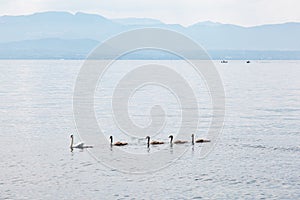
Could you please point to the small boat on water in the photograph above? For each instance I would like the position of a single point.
(248, 61)
(224, 61)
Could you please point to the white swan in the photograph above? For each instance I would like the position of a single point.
(80, 145)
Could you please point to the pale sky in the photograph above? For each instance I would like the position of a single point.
(185, 12)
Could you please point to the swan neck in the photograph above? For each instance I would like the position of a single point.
(193, 139)
(71, 146)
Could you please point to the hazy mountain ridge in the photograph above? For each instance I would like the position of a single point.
(33, 32)
(137, 21)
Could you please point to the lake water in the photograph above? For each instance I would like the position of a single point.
(256, 157)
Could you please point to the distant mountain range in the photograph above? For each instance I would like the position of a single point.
(56, 35)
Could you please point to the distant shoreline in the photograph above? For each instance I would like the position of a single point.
(74, 59)
(82, 54)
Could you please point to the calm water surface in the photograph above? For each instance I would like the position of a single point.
(257, 155)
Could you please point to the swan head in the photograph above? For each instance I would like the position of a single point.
(111, 139)
(71, 136)
(148, 137)
(171, 138)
